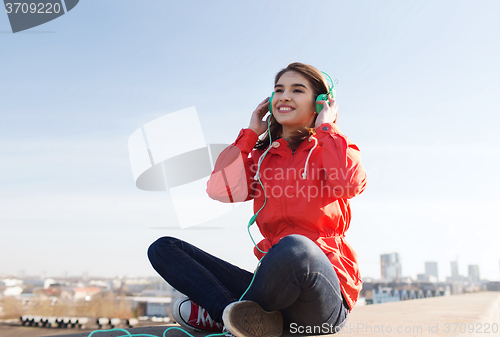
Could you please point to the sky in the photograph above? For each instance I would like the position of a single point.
(417, 93)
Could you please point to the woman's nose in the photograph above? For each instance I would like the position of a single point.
(285, 96)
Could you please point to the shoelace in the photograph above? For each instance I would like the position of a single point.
(201, 317)
(226, 332)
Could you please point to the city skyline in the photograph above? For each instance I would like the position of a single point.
(394, 272)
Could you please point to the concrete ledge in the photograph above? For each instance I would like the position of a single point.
(436, 316)
(474, 314)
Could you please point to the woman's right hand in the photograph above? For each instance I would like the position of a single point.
(258, 125)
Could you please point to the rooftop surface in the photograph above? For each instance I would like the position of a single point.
(476, 314)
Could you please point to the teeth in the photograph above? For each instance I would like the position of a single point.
(285, 109)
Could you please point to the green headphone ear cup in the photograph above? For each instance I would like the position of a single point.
(270, 107)
(319, 106)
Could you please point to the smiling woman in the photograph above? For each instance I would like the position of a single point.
(293, 103)
(309, 274)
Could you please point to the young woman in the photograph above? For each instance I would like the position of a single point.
(308, 280)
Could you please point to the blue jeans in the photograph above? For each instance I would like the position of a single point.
(294, 277)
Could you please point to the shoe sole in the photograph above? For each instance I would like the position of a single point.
(248, 319)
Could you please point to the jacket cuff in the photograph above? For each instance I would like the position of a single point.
(246, 140)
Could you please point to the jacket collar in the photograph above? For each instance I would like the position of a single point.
(283, 149)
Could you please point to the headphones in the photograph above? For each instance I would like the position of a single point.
(321, 97)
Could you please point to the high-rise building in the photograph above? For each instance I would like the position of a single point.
(454, 270)
(422, 278)
(474, 273)
(431, 269)
(390, 267)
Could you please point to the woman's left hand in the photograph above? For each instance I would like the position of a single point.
(329, 112)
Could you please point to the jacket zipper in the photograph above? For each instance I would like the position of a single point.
(285, 216)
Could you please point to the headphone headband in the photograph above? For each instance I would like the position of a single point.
(331, 89)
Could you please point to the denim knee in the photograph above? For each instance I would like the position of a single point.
(157, 248)
(296, 239)
(297, 249)
(298, 245)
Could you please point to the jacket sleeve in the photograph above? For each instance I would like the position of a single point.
(342, 162)
(232, 177)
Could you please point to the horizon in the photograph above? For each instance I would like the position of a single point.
(86, 274)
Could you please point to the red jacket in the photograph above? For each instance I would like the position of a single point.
(315, 205)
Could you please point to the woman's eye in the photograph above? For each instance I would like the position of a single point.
(295, 90)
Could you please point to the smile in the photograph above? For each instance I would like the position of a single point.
(285, 109)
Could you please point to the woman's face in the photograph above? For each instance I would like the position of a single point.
(293, 101)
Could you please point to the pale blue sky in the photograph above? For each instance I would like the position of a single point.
(418, 88)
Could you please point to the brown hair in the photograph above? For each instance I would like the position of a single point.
(318, 85)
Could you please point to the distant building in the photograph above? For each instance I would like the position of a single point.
(390, 267)
(406, 279)
(12, 282)
(106, 284)
(454, 270)
(48, 282)
(13, 291)
(431, 269)
(382, 292)
(152, 306)
(423, 277)
(474, 273)
(85, 293)
(493, 286)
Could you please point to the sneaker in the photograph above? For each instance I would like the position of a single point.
(193, 317)
(248, 319)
